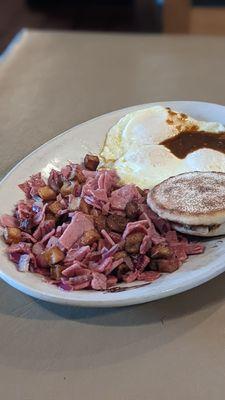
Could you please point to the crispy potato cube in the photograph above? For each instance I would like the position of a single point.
(133, 242)
(84, 207)
(46, 193)
(67, 188)
(53, 255)
(91, 162)
(80, 176)
(161, 251)
(100, 222)
(56, 271)
(116, 223)
(12, 235)
(119, 254)
(90, 237)
(55, 207)
(132, 210)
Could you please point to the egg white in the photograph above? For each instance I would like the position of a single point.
(132, 147)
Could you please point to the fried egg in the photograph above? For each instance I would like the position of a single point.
(132, 147)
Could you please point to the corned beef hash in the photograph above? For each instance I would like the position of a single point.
(83, 229)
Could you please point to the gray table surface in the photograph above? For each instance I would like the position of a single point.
(168, 349)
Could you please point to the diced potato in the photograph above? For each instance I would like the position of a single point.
(74, 204)
(56, 271)
(91, 162)
(84, 207)
(46, 193)
(90, 237)
(161, 251)
(80, 176)
(116, 223)
(67, 188)
(12, 235)
(55, 207)
(121, 270)
(50, 216)
(100, 222)
(132, 210)
(133, 242)
(53, 255)
(120, 254)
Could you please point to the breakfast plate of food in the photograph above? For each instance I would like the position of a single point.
(123, 209)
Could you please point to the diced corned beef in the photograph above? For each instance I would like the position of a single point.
(95, 191)
(66, 231)
(65, 285)
(160, 224)
(142, 262)
(92, 256)
(25, 187)
(38, 248)
(24, 262)
(153, 235)
(63, 201)
(146, 244)
(129, 263)
(61, 229)
(89, 174)
(101, 244)
(66, 172)
(130, 276)
(99, 281)
(80, 282)
(194, 248)
(71, 270)
(107, 180)
(24, 210)
(106, 208)
(108, 253)
(148, 276)
(31, 186)
(107, 237)
(21, 247)
(26, 237)
(80, 223)
(8, 221)
(53, 241)
(44, 228)
(82, 270)
(48, 236)
(116, 237)
(55, 180)
(73, 171)
(16, 250)
(113, 266)
(137, 226)
(111, 280)
(104, 265)
(120, 197)
(39, 216)
(76, 255)
(171, 237)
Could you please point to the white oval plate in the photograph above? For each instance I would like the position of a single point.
(73, 145)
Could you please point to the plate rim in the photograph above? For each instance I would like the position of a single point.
(117, 302)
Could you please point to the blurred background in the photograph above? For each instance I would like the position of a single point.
(161, 16)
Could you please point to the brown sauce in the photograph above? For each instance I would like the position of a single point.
(187, 142)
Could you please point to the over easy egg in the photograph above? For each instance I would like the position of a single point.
(132, 147)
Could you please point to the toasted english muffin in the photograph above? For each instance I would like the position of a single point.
(193, 202)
